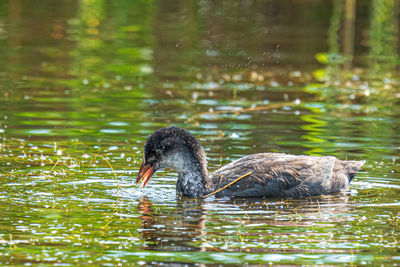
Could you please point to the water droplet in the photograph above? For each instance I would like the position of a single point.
(234, 135)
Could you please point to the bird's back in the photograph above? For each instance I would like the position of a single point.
(280, 175)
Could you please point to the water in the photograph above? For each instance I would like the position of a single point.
(83, 84)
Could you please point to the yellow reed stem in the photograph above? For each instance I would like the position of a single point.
(109, 164)
(231, 183)
(54, 166)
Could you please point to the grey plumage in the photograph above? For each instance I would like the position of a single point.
(274, 175)
(281, 175)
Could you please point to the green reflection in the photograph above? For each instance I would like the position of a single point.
(86, 78)
(383, 37)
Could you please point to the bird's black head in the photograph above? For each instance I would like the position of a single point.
(161, 150)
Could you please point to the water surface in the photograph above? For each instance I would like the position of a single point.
(83, 83)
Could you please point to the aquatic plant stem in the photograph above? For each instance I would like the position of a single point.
(54, 165)
(231, 183)
(109, 164)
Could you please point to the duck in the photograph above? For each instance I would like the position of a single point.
(262, 175)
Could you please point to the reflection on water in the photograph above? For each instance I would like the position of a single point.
(180, 232)
(85, 82)
(237, 225)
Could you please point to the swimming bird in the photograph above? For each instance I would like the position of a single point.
(272, 175)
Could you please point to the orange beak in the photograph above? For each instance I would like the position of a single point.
(144, 175)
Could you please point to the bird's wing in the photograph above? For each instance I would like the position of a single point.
(275, 175)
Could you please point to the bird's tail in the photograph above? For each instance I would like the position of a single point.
(352, 167)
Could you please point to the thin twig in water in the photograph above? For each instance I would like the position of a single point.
(87, 199)
(231, 183)
(54, 166)
(109, 164)
(244, 110)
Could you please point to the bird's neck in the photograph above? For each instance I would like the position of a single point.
(191, 167)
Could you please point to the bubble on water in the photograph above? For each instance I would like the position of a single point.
(122, 155)
(274, 83)
(286, 97)
(295, 73)
(234, 135)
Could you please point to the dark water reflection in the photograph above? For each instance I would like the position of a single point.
(256, 221)
(83, 83)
